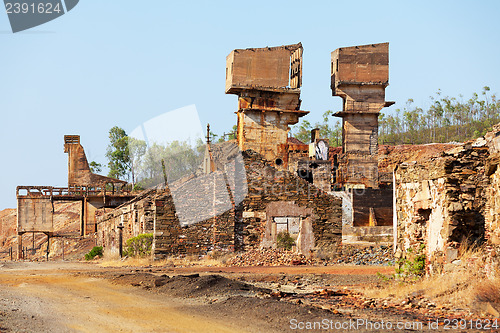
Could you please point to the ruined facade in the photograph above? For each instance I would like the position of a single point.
(289, 182)
(277, 201)
(447, 201)
(359, 75)
(35, 208)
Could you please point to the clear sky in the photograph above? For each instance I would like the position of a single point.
(123, 62)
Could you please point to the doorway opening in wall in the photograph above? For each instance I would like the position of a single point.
(289, 224)
(286, 231)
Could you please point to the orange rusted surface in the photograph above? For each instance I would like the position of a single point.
(267, 81)
(79, 173)
(359, 75)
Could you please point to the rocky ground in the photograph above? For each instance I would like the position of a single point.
(68, 297)
(366, 255)
(353, 255)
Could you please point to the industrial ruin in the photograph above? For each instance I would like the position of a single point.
(449, 200)
(250, 189)
(35, 204)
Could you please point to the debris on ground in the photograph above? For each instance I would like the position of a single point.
(268, 257)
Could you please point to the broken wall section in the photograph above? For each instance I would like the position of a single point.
(440, 203)
(275, 195)
(155, 213)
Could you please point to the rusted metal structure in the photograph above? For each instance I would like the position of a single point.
(359, 75)
(35, 208)
(267, 82)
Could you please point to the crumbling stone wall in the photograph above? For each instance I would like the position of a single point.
(137, 217)
(154, 212)
(268, 187)
(271, 193)
(197, 239)
(441, 203)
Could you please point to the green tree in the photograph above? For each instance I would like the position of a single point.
(180, 158)
(229, 136)
(95, 167)
(447, 119)
(118, 153)
(137, 149)
(302, 131)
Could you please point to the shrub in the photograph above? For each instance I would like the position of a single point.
(138, 187)
(413, 264)
(96, 251)
(285, 241)
(139, 246)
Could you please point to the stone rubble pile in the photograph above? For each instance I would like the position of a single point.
(352, 255)
(372, 255)
(268, 257)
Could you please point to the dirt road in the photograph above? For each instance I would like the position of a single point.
(47, 297)
(81, 297)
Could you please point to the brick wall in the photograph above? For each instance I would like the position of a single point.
(239, 228)
(267, 185)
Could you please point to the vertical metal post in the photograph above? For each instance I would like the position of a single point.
(48, 244)
(82, 219)
(120, 239)
(20, 246)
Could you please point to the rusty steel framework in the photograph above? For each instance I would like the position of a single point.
(267, 81)
(359, 75)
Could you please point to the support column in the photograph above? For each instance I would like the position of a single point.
(20, 246)
(48, 246)
(83, 217)
(120, 240)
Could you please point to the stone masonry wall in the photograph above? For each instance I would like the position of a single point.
(267, 185)
(136, 217)
(271, 193)
(441, 203)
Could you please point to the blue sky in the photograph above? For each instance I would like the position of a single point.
(108, 63)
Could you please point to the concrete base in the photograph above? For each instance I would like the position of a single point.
(367, 235)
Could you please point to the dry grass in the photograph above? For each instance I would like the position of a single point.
(462, 285)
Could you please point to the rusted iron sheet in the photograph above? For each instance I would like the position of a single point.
(34, 214)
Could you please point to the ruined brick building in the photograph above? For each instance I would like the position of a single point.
(289, 182)
(278, 198)
(247, 191)
(444, 202)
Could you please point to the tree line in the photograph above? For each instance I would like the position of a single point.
(132, 160)
(447, 119)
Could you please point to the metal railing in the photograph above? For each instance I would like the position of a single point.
(50, 191)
